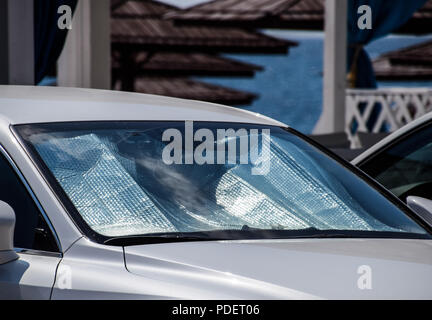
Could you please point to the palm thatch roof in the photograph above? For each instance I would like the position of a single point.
(141, 24)
(192, 64)
(289, 14)
(191, 89)
(411, 63)
(282, 14)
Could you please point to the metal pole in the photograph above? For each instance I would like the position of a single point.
(17, 38)
(335, 51)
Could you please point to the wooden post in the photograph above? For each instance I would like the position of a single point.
(86, 57)
(17, 42)
(335, 55)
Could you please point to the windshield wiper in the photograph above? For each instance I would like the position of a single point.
(249, 233)
(325, 235)
(158, 238)
(245, 233)
(311, 232)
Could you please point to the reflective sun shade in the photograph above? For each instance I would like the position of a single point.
(134, 178)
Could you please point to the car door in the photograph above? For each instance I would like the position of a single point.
(32, 275)
(405, 166)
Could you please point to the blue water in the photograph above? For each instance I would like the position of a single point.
(290, 87)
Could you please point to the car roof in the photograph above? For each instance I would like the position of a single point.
(37, 104)
(392, 137)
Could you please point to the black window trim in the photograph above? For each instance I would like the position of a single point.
(394, 142)
(32, 195)
(92, 235)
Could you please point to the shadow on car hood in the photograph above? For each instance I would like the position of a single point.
(289, 269)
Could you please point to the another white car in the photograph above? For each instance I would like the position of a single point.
(402, 162)
(128, 196)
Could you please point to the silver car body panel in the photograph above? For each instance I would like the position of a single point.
(30, 277)
(250, 269)
(287, 269)
(56, 104)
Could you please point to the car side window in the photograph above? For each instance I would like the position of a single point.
(31, 229)
(406, 167)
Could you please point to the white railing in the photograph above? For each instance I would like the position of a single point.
(383, 109)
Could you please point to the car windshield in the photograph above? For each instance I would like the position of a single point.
(189, 178)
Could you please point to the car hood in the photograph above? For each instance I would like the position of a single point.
(289, 269)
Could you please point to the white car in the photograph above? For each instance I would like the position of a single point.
(127, 196)
(402, 162)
